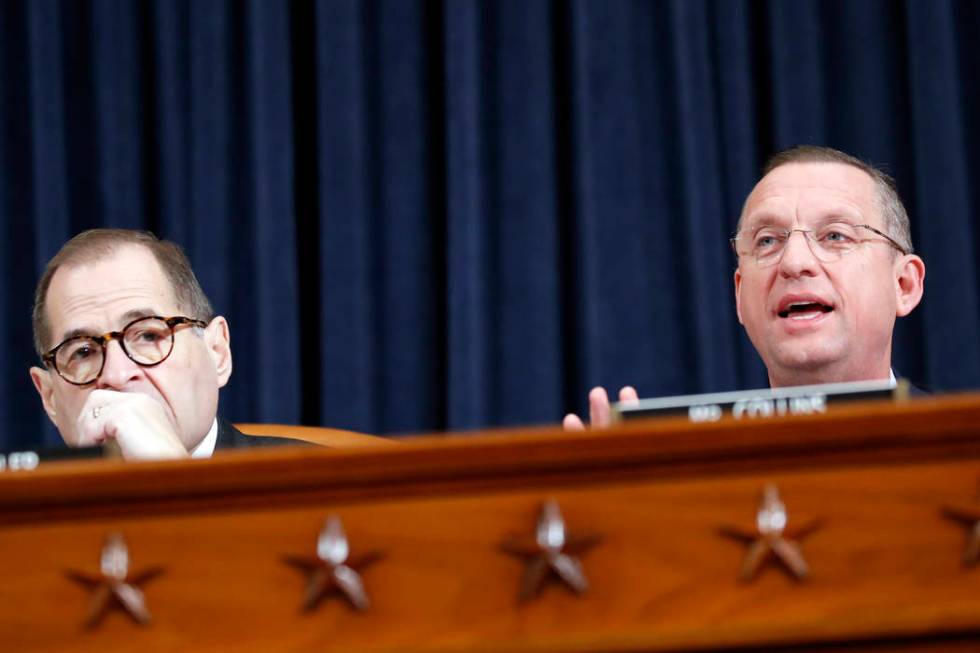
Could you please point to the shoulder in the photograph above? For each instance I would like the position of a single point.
(230, 437)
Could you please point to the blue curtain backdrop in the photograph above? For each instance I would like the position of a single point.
(446, 215)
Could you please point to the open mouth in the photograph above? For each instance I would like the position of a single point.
(804, 310)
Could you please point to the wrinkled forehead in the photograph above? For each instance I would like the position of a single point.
(98, 296)
(807, 193)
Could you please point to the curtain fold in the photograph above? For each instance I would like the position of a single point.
(943, 183)
(429, 215)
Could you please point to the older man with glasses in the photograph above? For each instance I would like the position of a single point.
(825, 266)
(131, 349)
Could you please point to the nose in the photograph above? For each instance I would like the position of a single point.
(797, 258)
(118, 369)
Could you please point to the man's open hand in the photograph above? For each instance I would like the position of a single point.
(600, 415)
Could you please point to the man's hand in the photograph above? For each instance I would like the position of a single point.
(137, 423)
(600, 414)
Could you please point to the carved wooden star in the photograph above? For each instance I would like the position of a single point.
(969, 516)
(331, 570)
(772, 537)
(551, 548)
(115, 586)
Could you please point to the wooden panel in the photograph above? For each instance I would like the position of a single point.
(932, 428)
(886, 569)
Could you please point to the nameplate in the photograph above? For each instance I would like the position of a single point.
(19, 460)
(762, 403)
(27, 460)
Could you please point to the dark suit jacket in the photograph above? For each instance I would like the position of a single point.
(916, 391)
(231, 438)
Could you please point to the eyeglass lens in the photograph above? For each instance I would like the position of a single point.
(147, 342)
(828, 243)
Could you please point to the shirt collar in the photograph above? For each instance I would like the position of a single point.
(205, 447)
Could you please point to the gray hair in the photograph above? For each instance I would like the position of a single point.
(98, 244)
(893, 213)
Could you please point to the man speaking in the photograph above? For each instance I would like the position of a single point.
(825, 266)
(131, 349)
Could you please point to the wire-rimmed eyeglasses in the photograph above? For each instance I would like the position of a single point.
(828, 243)
(147, 341)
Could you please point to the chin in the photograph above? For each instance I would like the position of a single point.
(804, 359)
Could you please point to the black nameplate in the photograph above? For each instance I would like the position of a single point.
(762, 403)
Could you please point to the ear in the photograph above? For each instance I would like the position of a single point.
(218, 341)
(44, 384)
(910, 276)
(738, 295)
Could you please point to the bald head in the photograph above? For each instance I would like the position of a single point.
(893, 215)
(97, 245)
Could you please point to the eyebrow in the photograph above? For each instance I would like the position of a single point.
(126, 318)
(772, 220)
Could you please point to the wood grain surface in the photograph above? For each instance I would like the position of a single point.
(886, 570)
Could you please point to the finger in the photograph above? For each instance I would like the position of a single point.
(599, 413)
(137, 423)
(572, 422)
(95, 422)
(91, 421)
(628, 395)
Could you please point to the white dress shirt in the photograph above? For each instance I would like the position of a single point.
(205, 447)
